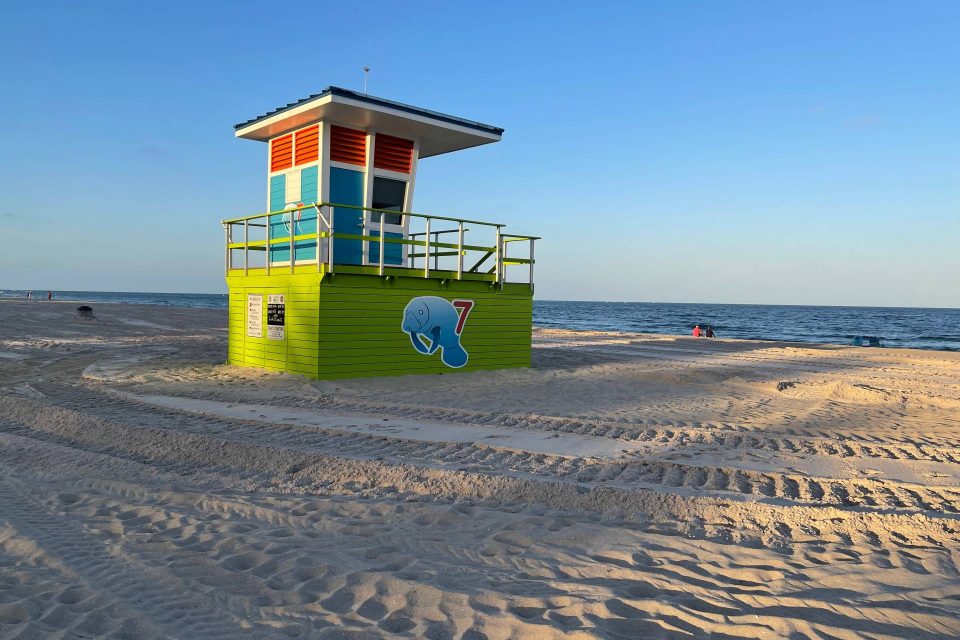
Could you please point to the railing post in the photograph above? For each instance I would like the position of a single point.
(246, 247)
(293, 254)
(382, 243)
(226, 248)
(503, 261)
(532, 241)
(317, 210)
(498, 249)
(460, 251)
(426, 251)
(268, 244)
(330, 243)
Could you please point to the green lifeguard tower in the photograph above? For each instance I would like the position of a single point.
(340, 279)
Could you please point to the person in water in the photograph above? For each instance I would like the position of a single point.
(709, 332)
(697, 332)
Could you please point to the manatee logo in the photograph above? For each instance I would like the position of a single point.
(441, 322)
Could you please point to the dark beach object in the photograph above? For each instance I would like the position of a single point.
(85, 312)
(783, 386)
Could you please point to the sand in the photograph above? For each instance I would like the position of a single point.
(627, 486)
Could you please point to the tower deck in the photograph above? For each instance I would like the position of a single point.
(451, 294)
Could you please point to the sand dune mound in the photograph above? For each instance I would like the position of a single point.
(839, 391)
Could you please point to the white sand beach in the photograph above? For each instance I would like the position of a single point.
(627, 486)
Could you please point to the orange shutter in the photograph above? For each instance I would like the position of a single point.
(393, 154)
(348, 145)
(281, 153)
(308, 145)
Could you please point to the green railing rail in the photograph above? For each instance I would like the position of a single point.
(432, 248)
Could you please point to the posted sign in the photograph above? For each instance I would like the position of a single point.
(276, 313)
(255, 316)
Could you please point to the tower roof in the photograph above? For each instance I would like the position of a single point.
(436, 132)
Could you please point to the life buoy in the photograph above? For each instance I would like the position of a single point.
(288, 217)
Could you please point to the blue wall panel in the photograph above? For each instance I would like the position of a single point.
(278, 191)
(392, 253)
(307, 249)
(308, 185)
(346, 187)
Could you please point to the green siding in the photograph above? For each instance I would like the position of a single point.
(349, 325)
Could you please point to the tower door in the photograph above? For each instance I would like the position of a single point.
(388, 195)
(346, 187)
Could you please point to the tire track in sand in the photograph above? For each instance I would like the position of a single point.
(672, 477)
(137, 586)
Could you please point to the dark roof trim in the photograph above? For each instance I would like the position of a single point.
(346, 93)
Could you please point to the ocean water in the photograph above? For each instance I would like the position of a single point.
(195, 300)
(895, 326)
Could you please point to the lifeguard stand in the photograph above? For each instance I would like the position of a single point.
(339, 278)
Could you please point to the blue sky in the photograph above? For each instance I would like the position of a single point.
(804, 153)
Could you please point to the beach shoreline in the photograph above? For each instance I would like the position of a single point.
(895, 327)
(626, 485)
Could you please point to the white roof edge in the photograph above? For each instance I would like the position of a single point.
(250, 129)
(493, 137)
(307, 106)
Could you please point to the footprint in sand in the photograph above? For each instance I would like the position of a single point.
(372, 609)
(13, 614)
(340, 601)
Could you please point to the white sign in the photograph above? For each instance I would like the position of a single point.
(255, 316)
(276, 315)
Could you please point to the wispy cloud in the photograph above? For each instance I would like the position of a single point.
(862, 122)
(154, 151)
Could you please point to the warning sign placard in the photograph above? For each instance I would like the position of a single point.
(255, 316)
(276, 315)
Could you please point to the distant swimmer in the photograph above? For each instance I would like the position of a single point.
(709, 332)
(697, 331)
(49, 295)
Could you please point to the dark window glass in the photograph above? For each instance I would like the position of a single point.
(388, 194)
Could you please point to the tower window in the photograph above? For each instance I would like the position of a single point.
(388, 194)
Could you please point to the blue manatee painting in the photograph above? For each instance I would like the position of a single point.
(436, 319)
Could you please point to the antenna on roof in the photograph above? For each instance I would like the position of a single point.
(366, 72)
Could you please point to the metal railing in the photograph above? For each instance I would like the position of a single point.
(449, 259)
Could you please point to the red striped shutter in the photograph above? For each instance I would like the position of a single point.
(393, 154)
(348, 145)
(281, 153)
(308, 145)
